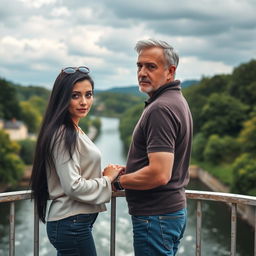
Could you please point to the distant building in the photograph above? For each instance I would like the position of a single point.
(17, 130)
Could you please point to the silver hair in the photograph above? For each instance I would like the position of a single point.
(171, 56)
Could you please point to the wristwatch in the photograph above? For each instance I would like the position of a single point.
(117, 185)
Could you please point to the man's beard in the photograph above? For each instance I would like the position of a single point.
(146, 89)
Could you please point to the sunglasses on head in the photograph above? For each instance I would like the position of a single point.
(72, 70)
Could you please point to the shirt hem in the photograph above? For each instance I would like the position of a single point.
(74, 213)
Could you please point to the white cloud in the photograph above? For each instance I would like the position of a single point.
(60, 11)
(37, 3)
(39, 37)
(196, 68)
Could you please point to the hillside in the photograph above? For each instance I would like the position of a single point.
(133, 89)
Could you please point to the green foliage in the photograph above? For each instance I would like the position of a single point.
(197, 95)
(128, 122)
(9, 105)
(24, 93)
(213, 149)
(84, 124)
(223, 115)
(31, 116)
(244, 170)
(38, 103)
(27, 148)
(11, 166)
(243, 83)
(220, 150)
(247, 137)
(198, 146)
(114, 104)
(196, 101)
(96, 123)
(223, 172)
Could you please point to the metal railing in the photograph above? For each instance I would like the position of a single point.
(233, 199)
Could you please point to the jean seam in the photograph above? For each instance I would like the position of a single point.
(148, 230)
(165, 243)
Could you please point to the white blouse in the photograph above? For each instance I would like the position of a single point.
(77, 185)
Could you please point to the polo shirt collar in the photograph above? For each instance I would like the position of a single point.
(175, 85)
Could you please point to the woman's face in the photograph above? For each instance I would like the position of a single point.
(81, 100)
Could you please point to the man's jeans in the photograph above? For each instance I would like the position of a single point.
(72, 236)
(158, 235)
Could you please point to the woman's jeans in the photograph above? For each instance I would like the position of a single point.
(72, 236)
(158, 235)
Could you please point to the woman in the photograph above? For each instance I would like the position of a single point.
(67, 167)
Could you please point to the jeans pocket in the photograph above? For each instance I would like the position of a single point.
(140, 219)
(52, 231)
(172, 229)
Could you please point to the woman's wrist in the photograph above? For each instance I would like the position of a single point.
(109, 177)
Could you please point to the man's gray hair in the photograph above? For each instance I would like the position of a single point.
(172, 58)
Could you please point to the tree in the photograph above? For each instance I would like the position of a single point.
(27, 148)
(30, 116)
(199, 143)
(38, 103)
(196, 101)
(128, 122)
(243, 83)
(24, 93)
(244, 170)
(11, 166)
(223, 115)
(247, 137)
(220, 150)
(9, 105)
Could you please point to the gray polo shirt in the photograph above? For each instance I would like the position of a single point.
(164, 126)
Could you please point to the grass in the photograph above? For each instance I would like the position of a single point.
(222, 172)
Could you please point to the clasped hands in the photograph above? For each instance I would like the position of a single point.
(113, 171)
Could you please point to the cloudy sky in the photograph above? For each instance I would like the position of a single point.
(39, 37)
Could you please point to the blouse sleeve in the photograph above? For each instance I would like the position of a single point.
(91, 191)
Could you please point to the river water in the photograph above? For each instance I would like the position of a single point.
(215, 227)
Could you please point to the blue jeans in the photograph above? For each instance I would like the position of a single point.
(158, 235)
(72, 236)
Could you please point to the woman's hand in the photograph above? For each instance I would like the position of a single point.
(113, 170)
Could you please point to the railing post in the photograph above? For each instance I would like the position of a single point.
(36, 231)
(233, 228)
(113, 227)
(12, 229)
(198, 227)
(254, 230)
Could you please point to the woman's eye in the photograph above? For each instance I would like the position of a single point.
(88, 94)
(74, 96)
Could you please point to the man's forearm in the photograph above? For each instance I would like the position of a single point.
(143, 179)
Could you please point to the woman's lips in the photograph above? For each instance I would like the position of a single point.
(82, 109)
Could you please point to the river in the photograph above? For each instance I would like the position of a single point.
(215, 227)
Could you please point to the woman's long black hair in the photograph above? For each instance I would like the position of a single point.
(56, 124)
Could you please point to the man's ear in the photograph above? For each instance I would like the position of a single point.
(171, 74)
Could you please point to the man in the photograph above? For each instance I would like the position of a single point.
(158, 159)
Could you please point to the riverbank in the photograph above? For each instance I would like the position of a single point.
(246, 212)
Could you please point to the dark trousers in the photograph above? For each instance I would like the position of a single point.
(72, 236)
